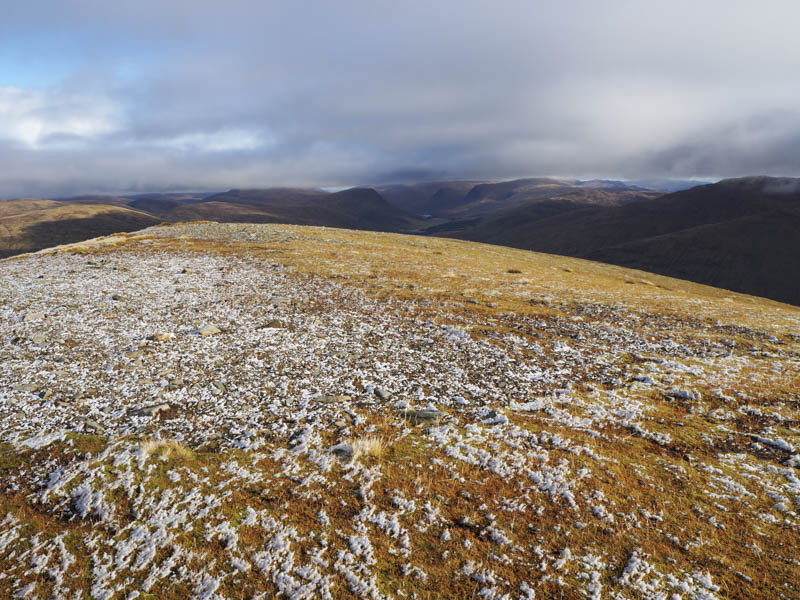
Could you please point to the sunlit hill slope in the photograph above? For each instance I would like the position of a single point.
(244, 411)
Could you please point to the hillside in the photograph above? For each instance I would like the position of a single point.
(245, 411)
(160, 204)
(426, 198)
(355, 208)
(30, 225)
(490, 198)
(468, 202)
(739, 234)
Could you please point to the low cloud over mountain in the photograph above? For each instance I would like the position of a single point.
(107, 97)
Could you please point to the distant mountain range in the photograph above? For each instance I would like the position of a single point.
(457, 208)
(739, 234)
(463, 199)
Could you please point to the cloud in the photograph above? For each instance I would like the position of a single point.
(188, 95)
(41, 119)
(225, 140)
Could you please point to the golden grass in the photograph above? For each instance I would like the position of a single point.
(371, 445)
(166, 449)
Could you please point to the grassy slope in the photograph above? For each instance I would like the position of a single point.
(664, 480)
(48, 223)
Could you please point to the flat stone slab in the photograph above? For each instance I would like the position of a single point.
(424, 415)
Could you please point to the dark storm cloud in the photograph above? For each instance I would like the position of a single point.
(108, 96)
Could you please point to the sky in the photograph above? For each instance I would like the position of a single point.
(105, 97)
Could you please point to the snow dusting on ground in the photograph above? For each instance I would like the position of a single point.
(189, 423)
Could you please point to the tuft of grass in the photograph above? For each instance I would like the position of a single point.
(10, 458)
(371, 445)
(166, 449)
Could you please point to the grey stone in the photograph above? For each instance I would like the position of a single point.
(382, 393)
(425, 415)
(343, 451)
(335, 398)
(27, 387)
(495, 418)
(683, 394)
(92, 426)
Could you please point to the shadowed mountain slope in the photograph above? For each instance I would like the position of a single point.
(356, 208)
(427, 198)
(739, 234)
(160, 204)
(30, 225)
(461, 200)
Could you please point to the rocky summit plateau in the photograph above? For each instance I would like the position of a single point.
(213, 411)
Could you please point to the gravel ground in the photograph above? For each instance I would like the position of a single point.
(230, 232)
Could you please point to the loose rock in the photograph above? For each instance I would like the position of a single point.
(424, 415)
(208, 330)
(382, 393)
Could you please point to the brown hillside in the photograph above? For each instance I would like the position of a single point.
(48, 223)
(739, 234)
